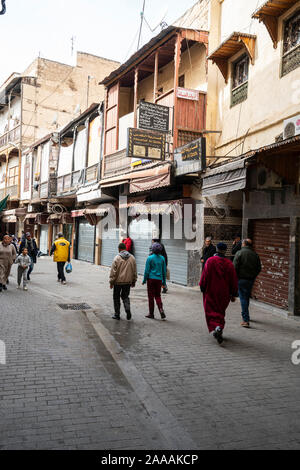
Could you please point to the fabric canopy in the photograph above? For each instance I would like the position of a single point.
(3, 203)
(226, 182)
(9, 219)
(163, 208)
(152, 182)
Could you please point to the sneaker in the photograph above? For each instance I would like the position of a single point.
(165, 290)
(63, 283)
(245, 324)
(218, 334)
(25, 288)
(116, 317)
(150, 316)
(129, 316)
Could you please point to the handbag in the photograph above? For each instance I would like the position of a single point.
(69, 268)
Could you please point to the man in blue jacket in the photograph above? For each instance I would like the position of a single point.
(155, 277)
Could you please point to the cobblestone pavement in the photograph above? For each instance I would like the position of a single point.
(76, 380)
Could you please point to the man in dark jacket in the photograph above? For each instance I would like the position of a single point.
(209, 251)
(32, 248)
(236, 246)
(248, 266)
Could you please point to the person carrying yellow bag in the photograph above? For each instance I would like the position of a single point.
(61, 251)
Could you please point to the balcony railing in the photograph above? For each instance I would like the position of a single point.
(72, 181)
(12, 191)
(116, 163)
(13, 136)
(92, 173)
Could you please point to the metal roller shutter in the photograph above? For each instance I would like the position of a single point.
(44, 239)
(271, 242)
(177, 259)
(86, 241)
(109, 246)
(141, 232)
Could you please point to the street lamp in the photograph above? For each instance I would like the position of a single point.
(3, 11)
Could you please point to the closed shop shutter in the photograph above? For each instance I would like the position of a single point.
(44, 239)
(86, 241)
(271, 242)
(141, 232)
(177, 258)
(109, 246)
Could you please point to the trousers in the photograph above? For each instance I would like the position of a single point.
(60, 271)
(154, 293)
(245, 289)
(22, 273)
(121, 292)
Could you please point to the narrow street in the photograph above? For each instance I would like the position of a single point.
(76, 379)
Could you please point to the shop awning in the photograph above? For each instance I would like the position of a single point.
(225, 179)
(269, 12)
(150, 171)
(158, 208)
(9, 219)
(78, 213)
(54, 219)
(236, 42)
(93, 213)
(19, 212)
(152, 182)
(31, 216)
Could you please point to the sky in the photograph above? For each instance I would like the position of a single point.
(105, 28)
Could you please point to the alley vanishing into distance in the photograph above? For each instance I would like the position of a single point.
(80, 380)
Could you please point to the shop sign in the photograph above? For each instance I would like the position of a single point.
(187, 94)
(145, 145)
(154, 117)
(191, 158)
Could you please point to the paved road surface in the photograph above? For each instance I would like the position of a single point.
(80, 380)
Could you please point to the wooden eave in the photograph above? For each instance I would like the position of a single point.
(144, 59)
(230, 47)
(269, 14)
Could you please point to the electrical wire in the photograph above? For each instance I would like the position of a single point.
(141, 26)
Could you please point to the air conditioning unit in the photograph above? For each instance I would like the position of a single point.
(291, 127)
(267, 179)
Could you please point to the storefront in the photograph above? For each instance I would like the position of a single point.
(85, 241)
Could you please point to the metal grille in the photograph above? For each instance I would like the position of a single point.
(185, 137)
(74, 306)
(291, 60)
(239, 94)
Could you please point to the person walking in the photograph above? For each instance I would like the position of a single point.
(164, 254)
(236, 246)
(123, 276)
(61, 251)
(208, 251)
(128, 243)
(24, 261)
(29, 243)
(7, 257)
(219, 285)
(248, 266)
(155, 277)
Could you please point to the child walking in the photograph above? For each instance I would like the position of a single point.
(24, 262)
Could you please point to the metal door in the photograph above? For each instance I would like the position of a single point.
(177, 258)
(44, 239)
(109, 246)
(141, 232)
(86, 241)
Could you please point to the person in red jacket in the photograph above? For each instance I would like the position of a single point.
(219, 284)
(129, 244)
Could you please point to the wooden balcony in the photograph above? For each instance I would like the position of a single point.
(13, 136)
(116, 163)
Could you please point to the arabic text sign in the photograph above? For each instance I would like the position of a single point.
(154, 117)
(144, 144)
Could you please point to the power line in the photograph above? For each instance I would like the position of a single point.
(141, 27)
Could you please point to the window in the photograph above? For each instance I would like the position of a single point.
(13, 176)
(26, 177)
(181, 81)
(291, 44)
(240, 73)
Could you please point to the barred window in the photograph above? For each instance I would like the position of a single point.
(291, 33)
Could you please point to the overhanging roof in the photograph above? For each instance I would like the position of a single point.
(231, 46)
(146, 52)
(269, 12)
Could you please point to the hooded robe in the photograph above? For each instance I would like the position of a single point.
(219, 283)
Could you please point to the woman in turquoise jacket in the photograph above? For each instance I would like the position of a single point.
(155, 277)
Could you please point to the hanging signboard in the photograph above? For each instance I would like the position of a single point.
(154, 117)
(146, 145)
(187, 94)
(191, 158)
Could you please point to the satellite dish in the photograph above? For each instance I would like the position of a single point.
(161, 20)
